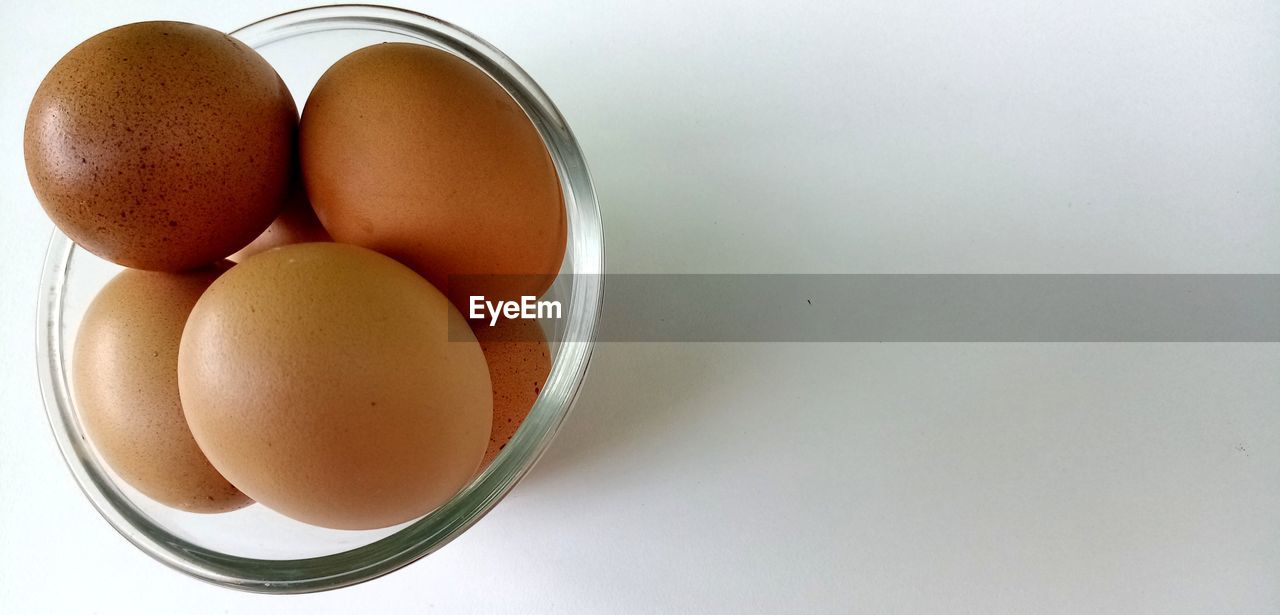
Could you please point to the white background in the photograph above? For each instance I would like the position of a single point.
(877, 136)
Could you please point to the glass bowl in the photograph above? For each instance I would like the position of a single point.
(254, 548)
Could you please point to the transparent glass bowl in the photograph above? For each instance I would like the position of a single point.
(254, 548)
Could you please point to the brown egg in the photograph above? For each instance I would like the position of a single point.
(519, 361)
(415, 153)
(322, 380)
(161, 145)
(297, 223)
(125, 382)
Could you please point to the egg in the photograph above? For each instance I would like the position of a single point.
(161, 145)
(297, 223)
(125, 384)
(519, 361)
(412, 151)
(336, 386)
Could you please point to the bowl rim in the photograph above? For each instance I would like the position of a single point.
(427, 534)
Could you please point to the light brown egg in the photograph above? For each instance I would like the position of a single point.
(125, 382)
(297, 223)
(415, 153)
(161, 145)
(322, 380)
(519, 361)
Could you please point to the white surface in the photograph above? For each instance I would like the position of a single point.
(877, 136)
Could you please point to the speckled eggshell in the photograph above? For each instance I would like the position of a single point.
(324, 381)
(415, 153)
(125, 383)
(519, 362)
(161, 145)
(297, 223)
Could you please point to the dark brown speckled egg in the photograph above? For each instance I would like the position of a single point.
(161, 145)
